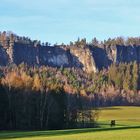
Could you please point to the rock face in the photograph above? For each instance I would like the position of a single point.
(3, 57)
(89, 58)
(51, 56)
(104, 57)
(101, 57)
(84, 56)
(128, 54)
(54, 56)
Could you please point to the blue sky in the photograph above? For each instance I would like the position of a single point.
(66, 20)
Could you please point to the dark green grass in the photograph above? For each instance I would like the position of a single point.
(127, 128)
(31, 134)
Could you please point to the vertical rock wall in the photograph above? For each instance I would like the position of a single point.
(88, 58)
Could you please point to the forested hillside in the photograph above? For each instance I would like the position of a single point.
(55, 98)
(45, 86)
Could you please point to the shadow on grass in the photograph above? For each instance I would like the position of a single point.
(108, 124)
(11, 135)
(109, 108)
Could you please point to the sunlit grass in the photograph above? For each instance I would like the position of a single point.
(124, 116)
(132, 134)
(127, 128)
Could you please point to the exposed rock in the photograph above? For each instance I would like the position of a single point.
(84, 56)
(3, 57)
(89, 58)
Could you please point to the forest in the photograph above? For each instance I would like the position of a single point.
(36, 98)
(44, 97)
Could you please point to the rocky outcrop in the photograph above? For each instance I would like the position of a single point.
(100, 57)
(55, 56)
(84, 56)
(3, 57)
(51, 56)
(104, 57)
(128, 54)
(89, 58)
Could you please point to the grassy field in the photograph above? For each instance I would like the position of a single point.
(124, 116)
(127, 128)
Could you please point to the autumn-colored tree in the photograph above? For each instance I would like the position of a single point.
(36, 83)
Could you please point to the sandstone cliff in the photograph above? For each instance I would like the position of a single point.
(87, 57)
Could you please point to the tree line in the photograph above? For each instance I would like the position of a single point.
(7, 38)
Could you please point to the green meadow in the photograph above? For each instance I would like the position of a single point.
(124, 116)
(127, 128)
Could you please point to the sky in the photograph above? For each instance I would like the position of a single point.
(58, 21)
